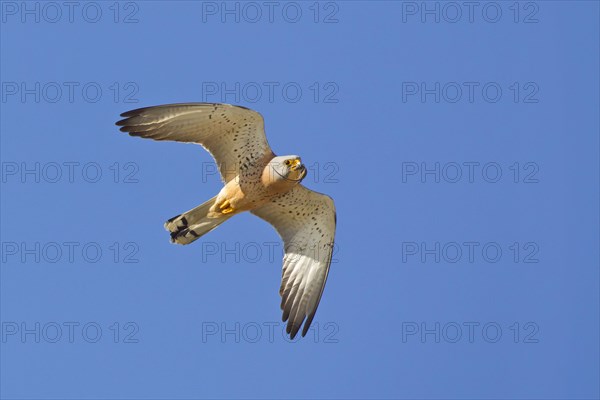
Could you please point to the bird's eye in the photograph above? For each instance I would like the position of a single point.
(288, 162)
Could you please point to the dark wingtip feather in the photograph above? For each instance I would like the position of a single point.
(295, 330)
(135, 112)
(129, 128)
(307, 324)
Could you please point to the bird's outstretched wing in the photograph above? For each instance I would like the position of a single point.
(233, 135)
(306, 221)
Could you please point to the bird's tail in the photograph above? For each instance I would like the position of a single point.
(189, 226)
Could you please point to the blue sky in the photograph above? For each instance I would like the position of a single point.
(460, 146)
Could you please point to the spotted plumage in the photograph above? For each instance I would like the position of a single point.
(255, 180)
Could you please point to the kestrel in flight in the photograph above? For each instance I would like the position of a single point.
(255, 180)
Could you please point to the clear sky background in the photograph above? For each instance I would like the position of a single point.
(462, 155)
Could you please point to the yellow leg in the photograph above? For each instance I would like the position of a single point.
(224, 204)
(226, 207)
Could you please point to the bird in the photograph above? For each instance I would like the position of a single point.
(255, 180)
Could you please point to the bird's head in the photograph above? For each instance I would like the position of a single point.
(287, 168)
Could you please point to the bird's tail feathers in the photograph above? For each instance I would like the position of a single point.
(189, 226)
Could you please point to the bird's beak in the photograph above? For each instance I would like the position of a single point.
(303, 173)
(296, 164)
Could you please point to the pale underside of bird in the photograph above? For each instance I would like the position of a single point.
(254, 180)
